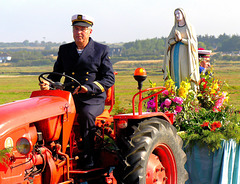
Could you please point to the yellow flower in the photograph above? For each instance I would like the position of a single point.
(215, 86)
(186, 85)
(226, 99)
(212, 91)
(182, 92)
(153, 86)
(184, 89)
(169, 84)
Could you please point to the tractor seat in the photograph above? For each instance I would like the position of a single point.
(105, 117)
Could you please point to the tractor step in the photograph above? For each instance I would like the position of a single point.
(87, 175)
(81, 171)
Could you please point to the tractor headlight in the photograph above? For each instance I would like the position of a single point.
(24, 145)
(122, 124)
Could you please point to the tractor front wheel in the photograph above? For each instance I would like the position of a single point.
(154, 155)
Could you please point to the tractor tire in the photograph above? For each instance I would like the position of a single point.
(154, 155)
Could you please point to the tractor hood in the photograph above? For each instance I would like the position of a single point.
(22, 112)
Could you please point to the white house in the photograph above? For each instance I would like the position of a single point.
(4, 57)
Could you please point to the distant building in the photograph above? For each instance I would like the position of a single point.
(115, 51)
(4, 57)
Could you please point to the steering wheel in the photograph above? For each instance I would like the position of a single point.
(57, 85)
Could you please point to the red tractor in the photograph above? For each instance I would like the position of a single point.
(41, 136)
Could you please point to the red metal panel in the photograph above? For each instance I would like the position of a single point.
(19, 113)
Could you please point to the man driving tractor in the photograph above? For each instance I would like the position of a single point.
(88, 62)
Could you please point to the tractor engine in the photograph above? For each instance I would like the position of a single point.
(34, 135)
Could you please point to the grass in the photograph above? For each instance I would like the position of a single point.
(34, 70)
(14, 86)
(17, 87)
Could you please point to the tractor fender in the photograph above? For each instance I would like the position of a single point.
(19, 113)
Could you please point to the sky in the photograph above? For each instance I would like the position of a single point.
(115, 20)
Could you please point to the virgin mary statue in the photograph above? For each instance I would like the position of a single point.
(181, 55)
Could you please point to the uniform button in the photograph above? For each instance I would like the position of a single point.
(73, 86)
(87, 72)
(86, 79)
(73, 73)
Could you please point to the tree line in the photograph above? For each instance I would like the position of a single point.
(44, 53)
(154, 48)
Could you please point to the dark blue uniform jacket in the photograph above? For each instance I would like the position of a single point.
(92, 68)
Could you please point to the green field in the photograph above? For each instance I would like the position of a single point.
(18, 83)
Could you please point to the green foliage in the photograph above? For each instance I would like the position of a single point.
(231, 44)
(37, 62)
(34, 53)
(154, 48)
(118, 109)
(144, 49)
(211, 119)
(190, 125)
(3, 155)
(26, 43)
(31, 57)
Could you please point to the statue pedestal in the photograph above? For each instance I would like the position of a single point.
(220, 167)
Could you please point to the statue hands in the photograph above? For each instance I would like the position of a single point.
(178, 36)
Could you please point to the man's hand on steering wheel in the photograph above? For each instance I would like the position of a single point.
(44, 85)
(80, 89)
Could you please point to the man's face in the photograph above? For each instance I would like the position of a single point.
(81, 34)
(205, 64)
(208, 64)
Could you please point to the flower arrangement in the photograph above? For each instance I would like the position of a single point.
(210, 95)
(203, 116)
(171, 99)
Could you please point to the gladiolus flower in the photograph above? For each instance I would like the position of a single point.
(182, 92)
(215, 86)
(169, 84)
(225, 96)
(212, 91)
(186, 85)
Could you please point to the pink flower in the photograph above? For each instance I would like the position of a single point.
(224, 94)
(215, 109)
(197, 109)
(168, 102)
(165, 92)
(151, 104)
(178, 100)
(162, 105)
(178, 109)
(219, 102)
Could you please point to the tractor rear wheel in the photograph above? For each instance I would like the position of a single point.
(154, 155)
